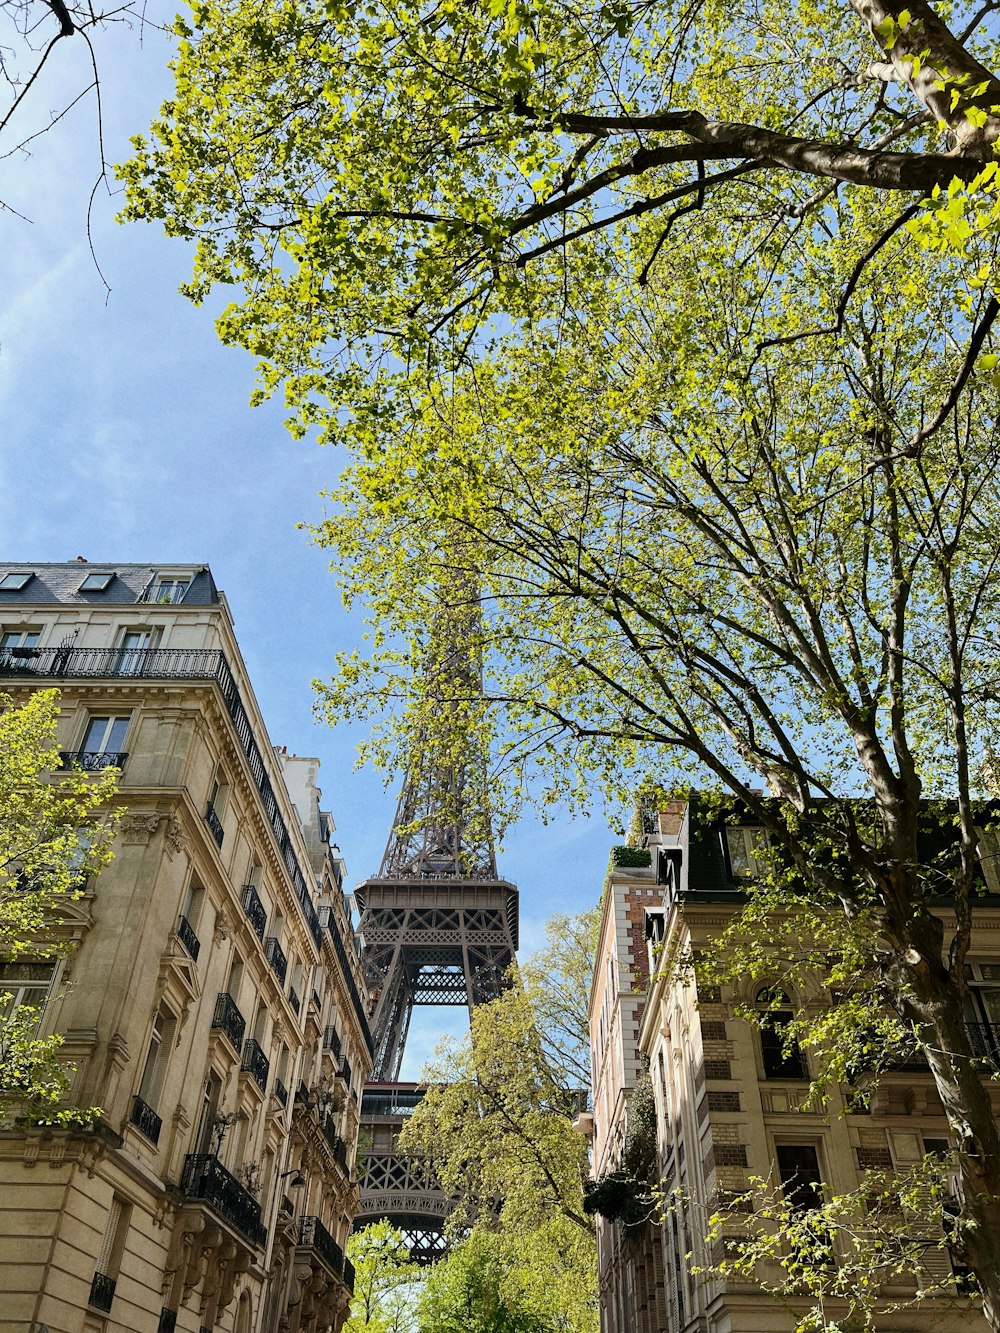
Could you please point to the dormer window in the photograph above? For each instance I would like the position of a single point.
(747, 849)
(16, 582)
(96, 583)
(169, 591)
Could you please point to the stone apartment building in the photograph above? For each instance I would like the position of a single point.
(729, 1102)
(213, 1005)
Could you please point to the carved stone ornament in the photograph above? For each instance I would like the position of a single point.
(138, 829)
(173, 837)
(222, 928)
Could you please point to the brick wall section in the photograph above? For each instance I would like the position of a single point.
(713, 1030)
(718, 1069)
(874, 1158)
(637, 899)
(731, 1154)
(671, 817)
(723, 1101)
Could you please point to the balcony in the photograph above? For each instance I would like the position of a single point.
(92, 761)
(229, 1020)
(254, 909)
(102, 1292)
(275, 955)
(281, 1092)
(331, 1041)
(145, 1119)
(168, 1321)
(313, 1235)
(187, 937)
(293, 999)
(345, 1070)
(206, 1180)
(348, 1275)
(256, 1064)
(214, 824)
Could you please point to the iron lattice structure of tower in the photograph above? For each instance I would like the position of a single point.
(438, 927)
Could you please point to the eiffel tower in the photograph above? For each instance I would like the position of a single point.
(438, 927)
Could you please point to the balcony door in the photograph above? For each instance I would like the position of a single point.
(132, 649)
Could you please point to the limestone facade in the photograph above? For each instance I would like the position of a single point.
(213, 1005)
(728, 1107)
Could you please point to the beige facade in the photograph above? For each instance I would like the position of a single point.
(213, 1005)
(729, 1105)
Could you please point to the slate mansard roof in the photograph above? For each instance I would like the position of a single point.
(60, 584)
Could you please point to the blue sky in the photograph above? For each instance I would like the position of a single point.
(126, 434)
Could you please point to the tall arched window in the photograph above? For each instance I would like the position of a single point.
(782, 1058)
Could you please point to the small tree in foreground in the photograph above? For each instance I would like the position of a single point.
(386, 1282)
(52, 834)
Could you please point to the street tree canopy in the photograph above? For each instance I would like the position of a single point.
(379, 178)
(495, 1129)
(52, 834)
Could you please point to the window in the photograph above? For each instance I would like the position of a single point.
(24, 985)
(158, 1056)
(798, 1170)
(96, 583)
(208, 1131)
(982, 1010)
(218, 796)
(102, 1288)
(133, 648)
(15, 582)
(169, 591)
(745, 846)
(19, 638)
(782, 1058)
(103, 743)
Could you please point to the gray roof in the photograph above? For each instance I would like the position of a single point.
(60, 583)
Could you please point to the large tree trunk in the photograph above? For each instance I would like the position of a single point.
(935, 1007)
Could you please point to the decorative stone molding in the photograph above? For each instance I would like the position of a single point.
(137, 830)
(173, 837)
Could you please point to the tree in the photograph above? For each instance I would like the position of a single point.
(52, 834)
(556, 981)
(385, 1281)
(495, 1128)
(482, 1287)
(33, 36)
(377, 180)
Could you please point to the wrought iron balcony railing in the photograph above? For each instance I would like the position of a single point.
(214, 824)
(102, 1292)
(176, 664)
(348, 1275)
(168, 1321)
(281, 1092)
(331, 1041)
(275, 955)
(187, 937)
(92, 761)
(313, 1235)
(145, 1119)
(293, 999)
(345, 1070)
(255, 1063)
(206, 1180)
(255, 911)
(228, 1019)
(985, 1041)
